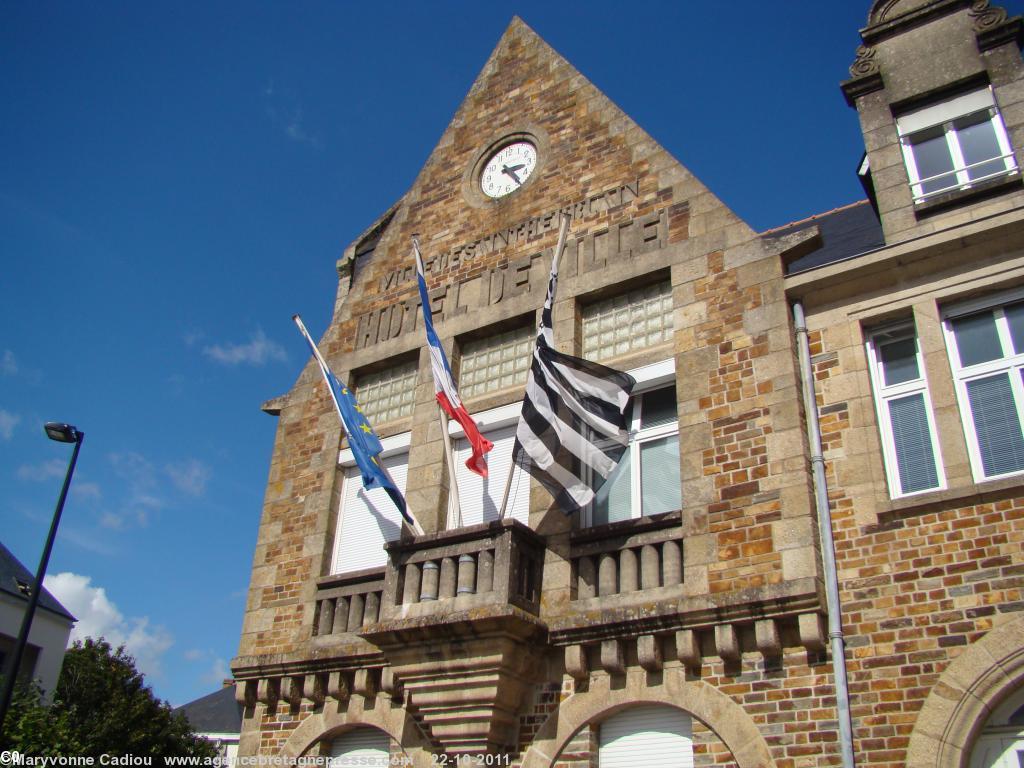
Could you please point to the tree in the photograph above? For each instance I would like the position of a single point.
(101, 706)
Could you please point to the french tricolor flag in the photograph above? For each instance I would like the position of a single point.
(444, 385)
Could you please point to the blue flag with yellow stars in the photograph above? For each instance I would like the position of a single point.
(362, 440)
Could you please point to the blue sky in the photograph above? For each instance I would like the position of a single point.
(177, 179)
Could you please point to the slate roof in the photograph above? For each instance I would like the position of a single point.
(217, 712)
(12, 571)
(845, 232)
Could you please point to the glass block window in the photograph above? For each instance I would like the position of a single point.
(904, 411)
(387, 395)
(629, 321)
(986, 350)
(496, 362)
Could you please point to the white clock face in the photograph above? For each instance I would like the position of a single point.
(508, 169)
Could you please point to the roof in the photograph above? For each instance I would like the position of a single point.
(12, 572)
(845, 232)
(217, 712)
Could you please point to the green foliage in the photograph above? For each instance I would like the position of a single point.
(101, 706)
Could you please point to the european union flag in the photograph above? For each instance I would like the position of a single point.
(363, 441)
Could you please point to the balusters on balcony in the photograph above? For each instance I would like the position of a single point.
(485, 571)
(628, 556)
(411, 584)
(341, 616)
(347, 602)
(467, 575)
(462, 568)
(448, 578)
(431, 577)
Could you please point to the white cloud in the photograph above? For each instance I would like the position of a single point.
(297, 132)
(189, 476)
(7, 423)
(217, 671)
(99, 617)
(86, 490)
(44, 470)
(8, 364)
(258, 351)
(112, 521)
(193, 337)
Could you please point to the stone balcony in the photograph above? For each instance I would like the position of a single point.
(459, 628)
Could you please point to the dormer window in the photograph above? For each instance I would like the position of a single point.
(955, 145)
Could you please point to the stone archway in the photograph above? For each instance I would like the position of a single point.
(964, 697)
(713, 708)
(394, 721)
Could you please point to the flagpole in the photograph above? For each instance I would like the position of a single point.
(323, 365)
(414, 526)
(453, 490)
(453, 483)
(563, 231)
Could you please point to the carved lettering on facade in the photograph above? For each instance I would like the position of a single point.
(522, 232)
(586, 253)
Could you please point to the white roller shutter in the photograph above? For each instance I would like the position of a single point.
(480, 498)
(363, 746)
(369, 519)
(652, 734)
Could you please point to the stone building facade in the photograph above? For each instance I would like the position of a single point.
(684, 618)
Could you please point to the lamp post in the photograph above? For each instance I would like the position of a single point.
(62, 433)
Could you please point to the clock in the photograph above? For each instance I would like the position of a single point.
(508, 169)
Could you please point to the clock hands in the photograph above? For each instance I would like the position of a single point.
(512, 172)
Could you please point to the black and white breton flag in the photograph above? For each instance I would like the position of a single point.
(572, 431)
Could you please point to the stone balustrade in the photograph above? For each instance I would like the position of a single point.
(347, 602)
(479, 565)
(627, 556)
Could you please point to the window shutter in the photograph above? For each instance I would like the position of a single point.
(915, 459)
(479, 497)
(996, 424)
(945, 111)
(369, 519)
(647, 735)
(659, 476)
(362, 746)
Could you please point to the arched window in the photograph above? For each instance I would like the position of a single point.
(649, 734)
(362, 747)
(1001, 744)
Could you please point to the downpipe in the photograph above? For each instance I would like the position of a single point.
(828, 558)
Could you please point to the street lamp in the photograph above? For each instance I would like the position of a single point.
(62, 433)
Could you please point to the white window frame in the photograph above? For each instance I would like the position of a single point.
(393, 446)
(1012, 364)
(648, 378)
(487, 422)
(946, 115)
(885, 393)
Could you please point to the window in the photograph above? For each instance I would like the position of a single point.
(647, 734)
(480, 497)
(629, 321)
(904, 411)
(387, 395)
(496, 362)
(986, 349)
(954, 144)
(367, 520)
(360, 746)
(646, 480)
(1001, 742)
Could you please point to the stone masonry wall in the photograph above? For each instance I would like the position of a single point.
(919, 583)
